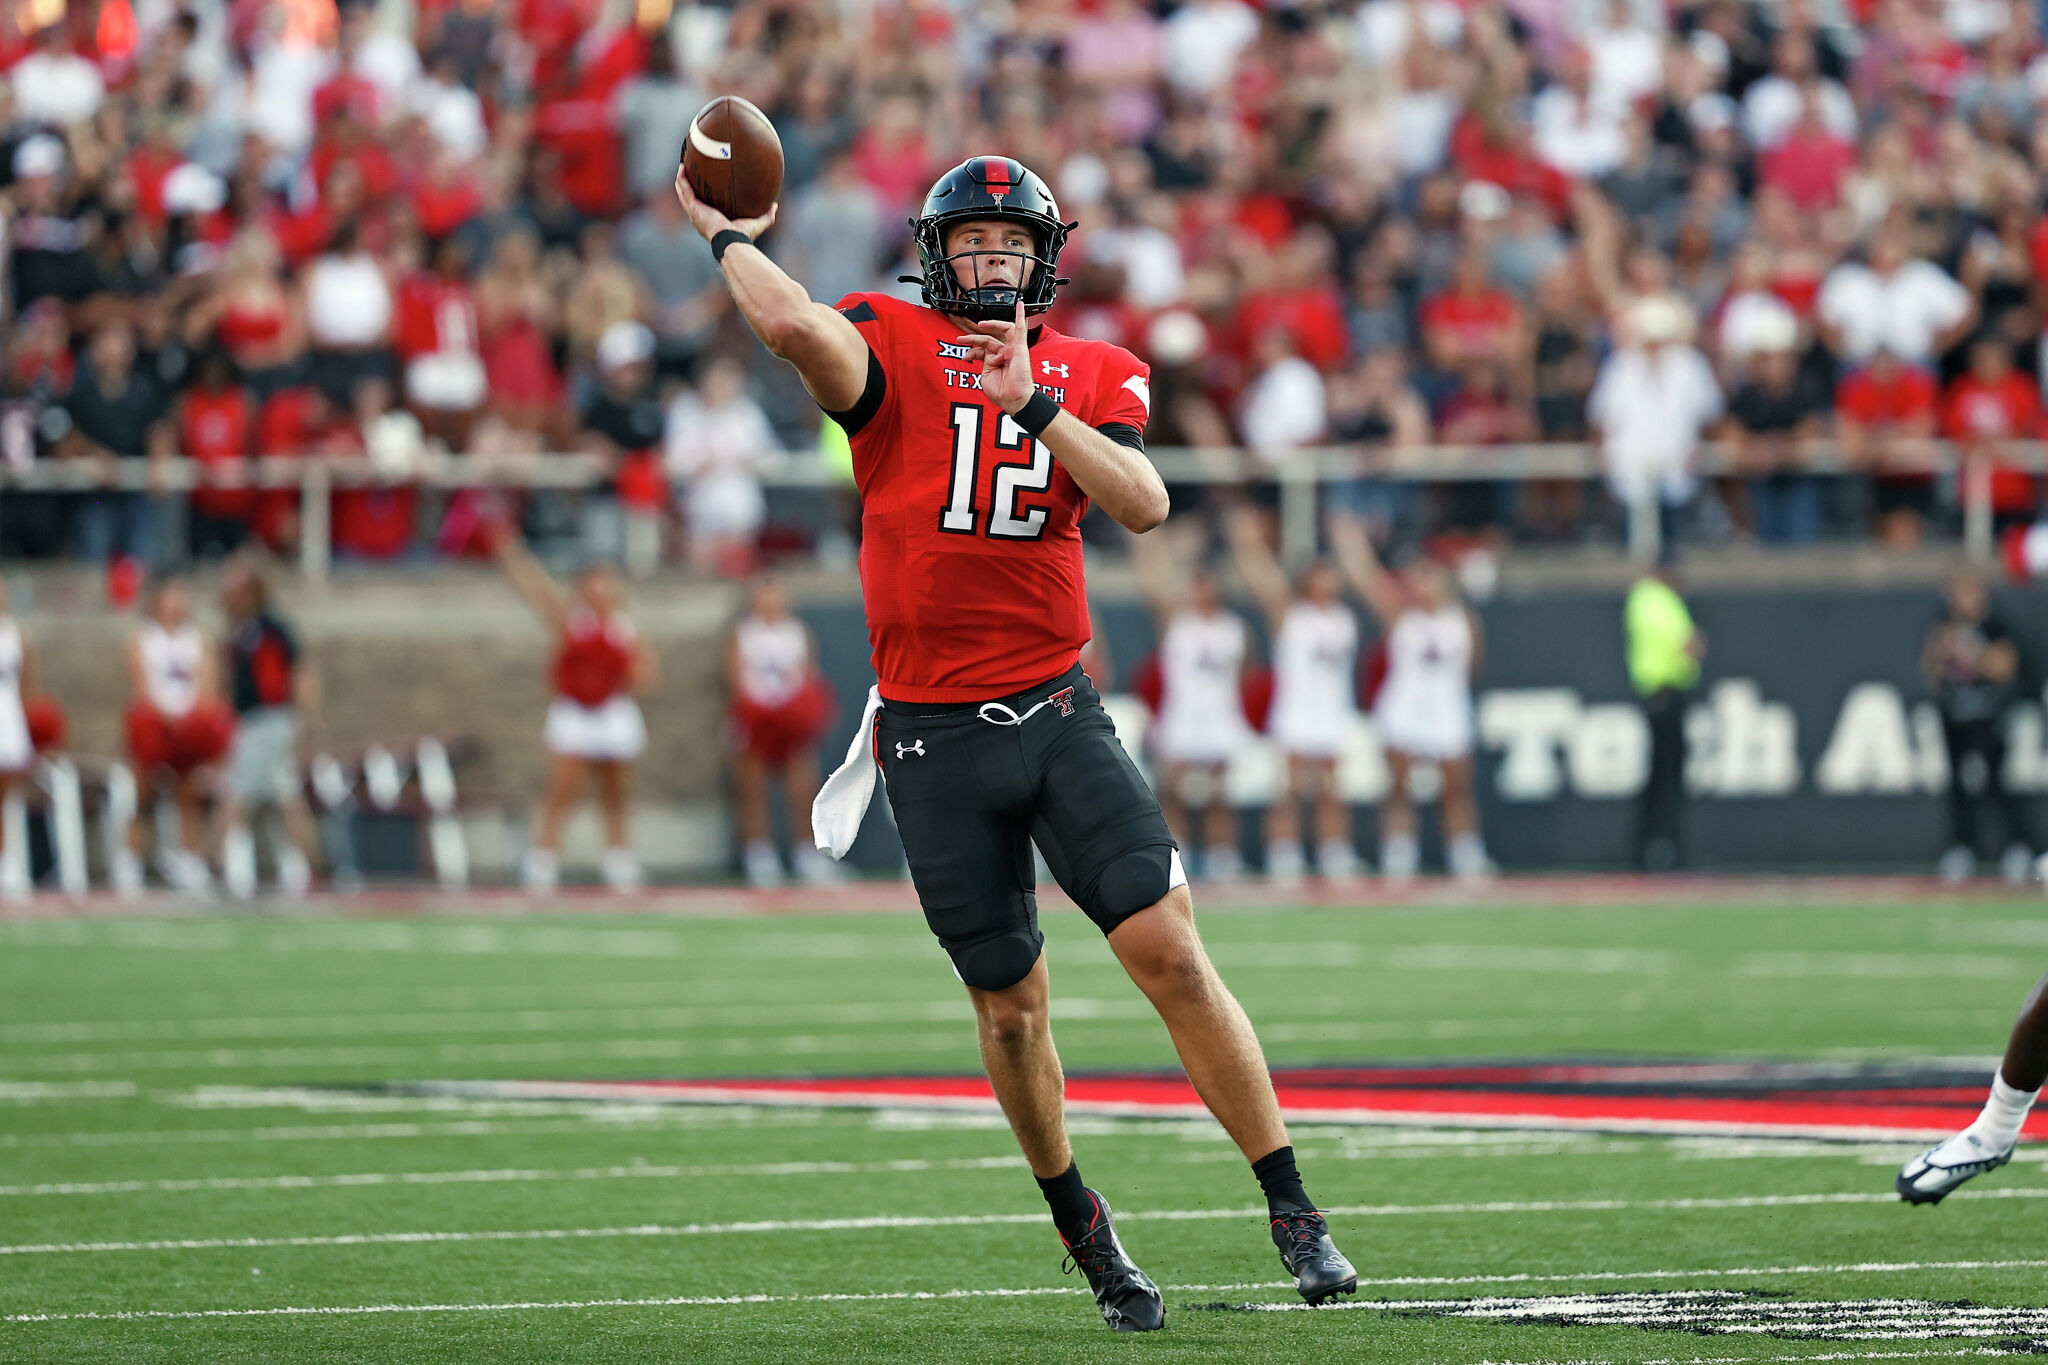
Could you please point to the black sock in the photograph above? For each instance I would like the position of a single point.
(1281, 1182)
(1073, 1212)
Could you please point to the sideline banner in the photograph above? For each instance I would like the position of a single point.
(1812, 739)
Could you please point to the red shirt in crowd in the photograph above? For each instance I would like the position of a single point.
(213, 429)
(1906, 395)
(1314, 317)
(1476, 324)
(2003, 408)
(435, 314)
(1809, 166)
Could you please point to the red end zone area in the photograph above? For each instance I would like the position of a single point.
(1709, 1099)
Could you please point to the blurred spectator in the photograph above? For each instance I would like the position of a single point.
(1773, 417)
(119, 420)
(622, 422)
(1202, 41)
(437, 339)
(1472, 319)
(717, 438)
(1811, 160)
(1984, 411)
(683, 283)
(1651, 401)
(1972, 665)
(517, 313)
(1878, 408)
(1773, 106)
(654, 110)
(348, 316)
(1913, 307)
(1284, 403)
(55, 86)
(216, 422)
(247, 311)
(603, 293)
(833, 237)
(1574, 133)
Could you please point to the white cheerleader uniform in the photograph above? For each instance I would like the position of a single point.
(171, 661)
(774, 658)
(1201, 709)
(17, 753)
(1315, 688)
(1424, 708)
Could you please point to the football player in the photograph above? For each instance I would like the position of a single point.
(979, 437)
(1987, 1143)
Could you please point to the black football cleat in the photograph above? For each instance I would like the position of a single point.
(1320, 1271)
(1129, 1301)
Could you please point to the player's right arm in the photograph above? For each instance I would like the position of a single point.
(829, 353)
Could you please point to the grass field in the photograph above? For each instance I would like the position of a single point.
(185, 1176)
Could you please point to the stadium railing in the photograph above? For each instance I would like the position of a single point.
(1298, 474)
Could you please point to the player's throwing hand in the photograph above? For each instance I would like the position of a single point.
(1005, 351)
(709, 222)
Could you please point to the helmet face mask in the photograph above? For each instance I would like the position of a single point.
(989, 189)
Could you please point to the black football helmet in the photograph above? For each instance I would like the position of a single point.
(988, 187)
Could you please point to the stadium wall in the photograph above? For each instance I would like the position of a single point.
(1813, 742)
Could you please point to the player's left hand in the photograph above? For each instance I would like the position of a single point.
(1005, 351)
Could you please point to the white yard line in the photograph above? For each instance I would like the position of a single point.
(735, 1300)
(893, 1221)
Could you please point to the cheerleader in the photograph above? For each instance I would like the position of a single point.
(17, 748)
(1315, 690)
(1199, 726)
(1424, 707)
(178, 730)
(594, 726)
(780, 706)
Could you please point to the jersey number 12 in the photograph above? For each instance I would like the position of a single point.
(961, 517)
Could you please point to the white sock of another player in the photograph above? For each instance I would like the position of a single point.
(1400, 857)
(1468, 856)
(2005, 1113)
(238, 862)
(294, 873)
(1285, 860)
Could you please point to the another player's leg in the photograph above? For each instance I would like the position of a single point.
(1163, 953)
(1014, 1028)
(1464, 849)
(1988, 1143)
(1400, 851)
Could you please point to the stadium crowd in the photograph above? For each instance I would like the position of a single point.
(274, 227)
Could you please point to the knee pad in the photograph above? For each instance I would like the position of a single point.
(999, 962)
(1135, 881)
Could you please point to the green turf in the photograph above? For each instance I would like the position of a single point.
(155, 1074)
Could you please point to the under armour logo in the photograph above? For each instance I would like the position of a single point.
(916, 747)
(950, 351)
(1064, 699)
(1053, 367)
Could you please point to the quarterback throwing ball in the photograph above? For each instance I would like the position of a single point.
(979, 437)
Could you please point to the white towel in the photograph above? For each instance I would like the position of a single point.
(842, 803)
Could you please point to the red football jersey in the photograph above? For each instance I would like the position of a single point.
(970, 557)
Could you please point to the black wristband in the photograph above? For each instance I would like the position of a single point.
(723, 239)
(1036, 415)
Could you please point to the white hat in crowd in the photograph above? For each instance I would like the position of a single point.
(38, 156)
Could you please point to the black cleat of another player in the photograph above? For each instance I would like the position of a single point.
(1129, 1301)
(1320, 1271)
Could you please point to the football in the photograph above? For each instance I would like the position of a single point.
(733, 158)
